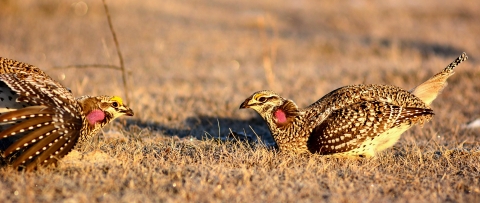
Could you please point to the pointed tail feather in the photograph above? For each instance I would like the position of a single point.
(430, 89)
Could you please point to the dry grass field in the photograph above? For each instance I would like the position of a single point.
(192, 63)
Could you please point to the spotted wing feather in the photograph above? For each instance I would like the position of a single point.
(13, 66)
(30, 139)
(347, 128)
(66, 116)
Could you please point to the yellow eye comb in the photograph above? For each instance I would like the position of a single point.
(117, 99)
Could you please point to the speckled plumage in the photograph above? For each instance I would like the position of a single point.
(40, 120)
(355, 120)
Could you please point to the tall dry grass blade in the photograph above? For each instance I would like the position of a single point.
(122, 65)
(120, 58)
(269, 52)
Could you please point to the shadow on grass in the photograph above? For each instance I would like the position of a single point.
(253, 130)
(425, 48)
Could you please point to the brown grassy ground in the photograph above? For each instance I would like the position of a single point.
(192, 63)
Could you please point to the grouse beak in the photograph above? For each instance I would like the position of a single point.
(245, 104)
(128, 111)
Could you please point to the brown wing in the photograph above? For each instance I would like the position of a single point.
(46, 130)
(12, 66)
(347, 128)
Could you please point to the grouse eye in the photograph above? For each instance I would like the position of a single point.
(262, 99)
(115, 104)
